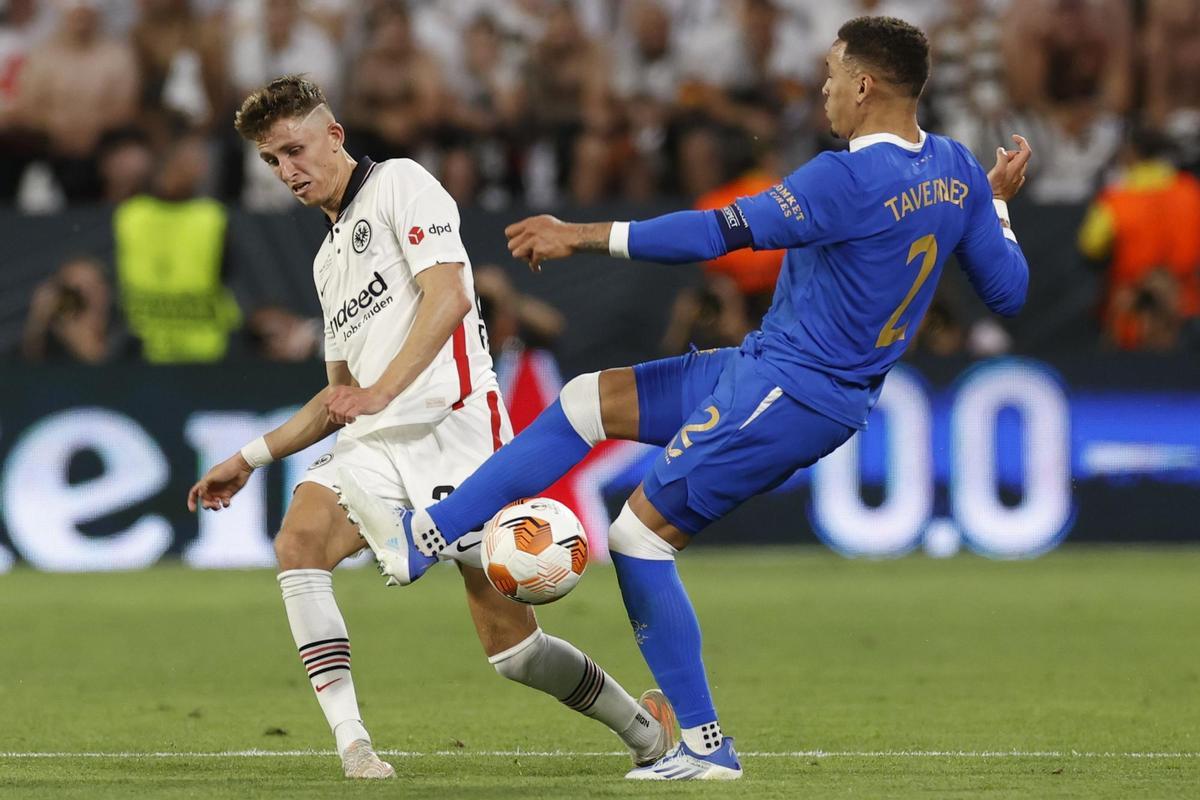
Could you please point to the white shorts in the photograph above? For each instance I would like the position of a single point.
(417, 465)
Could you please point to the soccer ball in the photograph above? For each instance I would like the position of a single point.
(534, 550)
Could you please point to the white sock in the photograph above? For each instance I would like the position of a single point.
(560, 669)
(324, 646)
(703, 739)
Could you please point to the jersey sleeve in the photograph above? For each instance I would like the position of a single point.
(993, 261)
(424, 218)
(807, 207)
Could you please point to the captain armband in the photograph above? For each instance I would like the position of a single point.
(735, 229)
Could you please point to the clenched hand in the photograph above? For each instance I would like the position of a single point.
(346, 403)
(538, 239)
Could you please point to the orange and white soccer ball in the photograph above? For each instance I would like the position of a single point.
(534, 550)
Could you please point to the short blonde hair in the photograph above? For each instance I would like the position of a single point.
(283, 98)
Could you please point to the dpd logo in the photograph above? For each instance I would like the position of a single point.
(415, 235)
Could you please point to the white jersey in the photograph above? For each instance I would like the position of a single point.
(396, 220)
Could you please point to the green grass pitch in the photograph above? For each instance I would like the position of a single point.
(1073, 675)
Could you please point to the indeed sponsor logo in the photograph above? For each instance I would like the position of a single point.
(365, 302)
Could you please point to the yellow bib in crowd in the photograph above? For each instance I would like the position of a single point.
(168, 257)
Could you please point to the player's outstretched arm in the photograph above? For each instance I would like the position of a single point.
(307, 426)
(676, 238)
(542, 238)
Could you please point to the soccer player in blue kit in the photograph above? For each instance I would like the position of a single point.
(867, 232)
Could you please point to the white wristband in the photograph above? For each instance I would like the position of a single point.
(257, 454)
(1005, 224)
(618, 240)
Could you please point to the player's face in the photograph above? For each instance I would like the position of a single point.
(304, 153)
(840, 92)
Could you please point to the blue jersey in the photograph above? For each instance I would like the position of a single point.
(866, 233)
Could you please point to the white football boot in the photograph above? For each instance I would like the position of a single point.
(360, 761)
(682, 764)
(386, 528)
(658, 706)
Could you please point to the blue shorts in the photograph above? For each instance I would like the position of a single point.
(727, 434)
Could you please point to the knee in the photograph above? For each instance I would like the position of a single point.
(629, 536)
(301, 545)
(580, 400)
(602, 405)
(519, 662)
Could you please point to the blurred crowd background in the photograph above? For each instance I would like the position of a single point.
(551, 104)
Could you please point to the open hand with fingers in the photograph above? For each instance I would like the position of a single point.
(1008, 175)
(540, 238)
(218, 486)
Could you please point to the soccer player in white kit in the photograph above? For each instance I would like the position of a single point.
(412, 392)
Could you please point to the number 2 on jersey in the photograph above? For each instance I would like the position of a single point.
(927, 245)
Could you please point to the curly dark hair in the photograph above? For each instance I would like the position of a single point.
(898, 50)
(283, 98)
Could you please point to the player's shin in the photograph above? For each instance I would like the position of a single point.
(561, 670)
(324, 646)
(665, 626)
(557, 440)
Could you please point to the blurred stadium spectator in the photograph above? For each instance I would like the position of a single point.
(1146, 227)
(24, 24)
(1171, 64)
(71, 317)
(170, 251)
(646, 79)
(183, 63)
(483, 116)
(710, 315)
(967, 95)
(74, 87)
(514, 321)
(396, 99)
(125, 162)
(1069, 66)
(749, 67)
(571, 113)
(278, 334)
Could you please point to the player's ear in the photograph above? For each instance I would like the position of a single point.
(337, 136)
(865, 84)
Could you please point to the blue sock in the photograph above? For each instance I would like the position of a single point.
(668, 634)
(534, 459)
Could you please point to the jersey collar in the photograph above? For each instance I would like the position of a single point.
(859, 142)
(357, 178)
